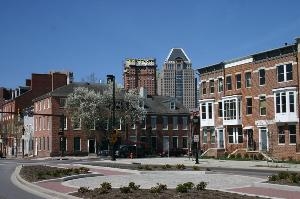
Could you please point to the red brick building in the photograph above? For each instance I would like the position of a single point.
(165, 128)
(47, 139)
(20, 99)
(140, 73)
(251, 105)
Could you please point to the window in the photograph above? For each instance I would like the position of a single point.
(184, 123)
(262, 105)
(153, 143)
(292, 101)
(238, 81)
(165, 122)
(76, 143)
(175, 142)
(235, 135)
(285, 73)
(175, 122)
(248, 106)
(172, 106)
(203, 88)
(230, 111)
(285, 102)
(48, 144)
(77, 124)
(248, 79)
(153, 122)
(184, 142)
(262, 76)
(281, 135)
(220, 109)
(203, 111)
(292, 132)
(143, 124)
(211, 86)
(212, 136)
(220, 85)
(209, 110)
(62, 102)
(204, 136)
(228, 83)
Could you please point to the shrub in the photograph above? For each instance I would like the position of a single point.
(83, 190)
(294, 178)
(246, 156)
(147, 167)
(125, 190)
(283, 175)
(140, 167)
(168, 166)
(232, 156)
(106, 185)
(84, 170)
(273, 178)
(189, 185)
(133, 186)
(181, 188)
(180, 166)
(201, 186)
(196, 168)
(226, 154)
(238, 156)
(158, 189)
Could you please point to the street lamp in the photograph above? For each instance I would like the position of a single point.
(23, 132)
(196, 136)
(111, 79)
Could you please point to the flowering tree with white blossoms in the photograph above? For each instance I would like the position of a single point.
(89, 107)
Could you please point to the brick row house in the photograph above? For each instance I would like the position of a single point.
(251, 105)
(165, 128)
(12, 127)
(47, 138)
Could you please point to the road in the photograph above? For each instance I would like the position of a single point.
(8, 190)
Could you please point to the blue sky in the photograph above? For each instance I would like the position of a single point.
(95, 36)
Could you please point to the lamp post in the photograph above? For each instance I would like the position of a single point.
(111, 79)
(196, 136)
(23, 132)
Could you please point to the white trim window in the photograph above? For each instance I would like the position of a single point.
(153, 122)
(262, 105)
(175, 123)
(281, 135)
(284, 72)
(285, 102)
(261, 76)
(184, 123)
(228, 83)
(165, 122)
(248, 105)
(211, 86)
(292, 134)
(238, 81)
(235, 135)
(220, 85)
(248, 81)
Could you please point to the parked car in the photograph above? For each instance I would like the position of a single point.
(125, 151)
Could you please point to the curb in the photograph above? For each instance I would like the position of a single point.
(35, 189)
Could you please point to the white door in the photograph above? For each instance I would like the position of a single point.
(263, 139)
(220, 138)
(166, 144)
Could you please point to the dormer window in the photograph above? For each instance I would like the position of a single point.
(172, 105)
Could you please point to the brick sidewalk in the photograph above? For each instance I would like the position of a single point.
(268, 192)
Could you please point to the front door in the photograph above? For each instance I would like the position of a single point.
(250, 143)
(263, 139)
(220, 139)
(91, 145)
(166, 144)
